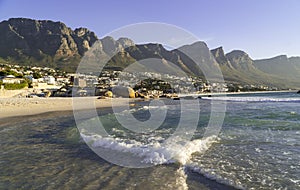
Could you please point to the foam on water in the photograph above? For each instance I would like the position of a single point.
(181, 179)
(154, 152)
(253, 99)
(127, 111)
(210, 174)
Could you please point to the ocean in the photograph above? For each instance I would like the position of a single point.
(254, 145)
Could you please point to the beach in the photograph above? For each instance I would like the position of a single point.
(10, 107)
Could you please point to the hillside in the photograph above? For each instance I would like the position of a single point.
(53, 44)
(43, 43)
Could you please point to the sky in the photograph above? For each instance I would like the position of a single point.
(262, 28)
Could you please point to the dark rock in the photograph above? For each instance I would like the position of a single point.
(43, 42)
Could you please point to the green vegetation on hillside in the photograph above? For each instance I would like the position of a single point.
(153, 84)
(16, 86)
(10, 72)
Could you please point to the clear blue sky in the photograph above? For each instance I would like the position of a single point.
(262, 28)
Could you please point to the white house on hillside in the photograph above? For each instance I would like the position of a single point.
(10, 79)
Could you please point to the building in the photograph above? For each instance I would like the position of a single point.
(10, 79)
(80, 82)
(49, 80)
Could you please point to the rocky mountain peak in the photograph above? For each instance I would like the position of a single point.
(111, 46)
(281, 58)
(84, 39)
(220, 57)
(240, 59)
(237, 54)
(198, 45)
(81, 32)
(218, 52)
(125, 42)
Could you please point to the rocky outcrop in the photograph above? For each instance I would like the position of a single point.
(126, 42)
(84, 39)
(42, 40)
(240, 60)
(220, 57)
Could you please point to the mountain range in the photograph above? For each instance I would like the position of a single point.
(46, 43)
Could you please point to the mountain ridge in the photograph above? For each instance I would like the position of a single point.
(48, 43)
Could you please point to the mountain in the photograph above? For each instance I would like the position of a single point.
(194, 59)
(281, 66)
(162, 60)
(46, 43)
(240, 60)
(199, 59)
(220, 57)
(295, 61)
(239, 66)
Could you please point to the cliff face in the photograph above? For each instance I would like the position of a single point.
(220, 57)
(240, 60)
(37, 40)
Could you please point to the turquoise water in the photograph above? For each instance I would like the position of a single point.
(258, 147)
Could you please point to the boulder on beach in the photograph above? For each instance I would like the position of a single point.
(124, 92)
(108, 94)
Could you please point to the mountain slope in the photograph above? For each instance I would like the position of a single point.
(238, 66)
(280, 65)
(44, 43)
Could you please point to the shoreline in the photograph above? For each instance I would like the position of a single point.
(232, 93)
(12, 107)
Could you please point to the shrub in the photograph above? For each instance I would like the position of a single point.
(15, 86)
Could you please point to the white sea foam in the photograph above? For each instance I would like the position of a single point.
(181, 178)
(210, 174)
(143, 108)
(154, 152)
(253, 99)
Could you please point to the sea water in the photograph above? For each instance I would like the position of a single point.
(258, 147)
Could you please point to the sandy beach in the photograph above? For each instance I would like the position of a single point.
(10, 107)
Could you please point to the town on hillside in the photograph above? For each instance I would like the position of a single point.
(47, 82)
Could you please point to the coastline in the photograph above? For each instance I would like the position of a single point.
(232, 93)
(11, 107)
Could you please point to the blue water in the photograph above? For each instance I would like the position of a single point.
(257, 147)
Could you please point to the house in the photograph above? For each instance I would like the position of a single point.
(10, 79)
(80, 82)
(49, 80)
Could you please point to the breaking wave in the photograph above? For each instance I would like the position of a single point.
(253, 99)
(155, 152)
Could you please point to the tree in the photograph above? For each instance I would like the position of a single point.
(36, 75)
